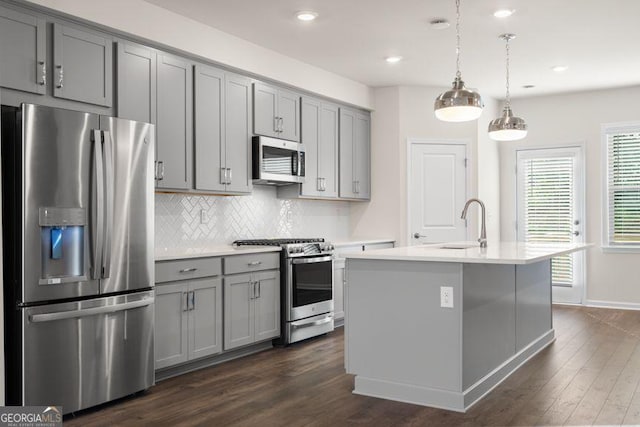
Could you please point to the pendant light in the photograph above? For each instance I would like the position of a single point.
(508, 127)
(458, 104)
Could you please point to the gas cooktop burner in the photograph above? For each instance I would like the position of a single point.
(274, 242)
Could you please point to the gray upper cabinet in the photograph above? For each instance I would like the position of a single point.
(136, 82)
(82, 66)
(174, 128)
(23, 62)
(211, 174)
(276, 112)
(222, 131)
(238, 133)
(320, 139)
(355, 154)
(289, 115)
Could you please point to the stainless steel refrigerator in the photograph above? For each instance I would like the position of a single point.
(77, 193)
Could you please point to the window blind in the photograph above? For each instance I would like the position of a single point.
(623, 186)
(549, 209)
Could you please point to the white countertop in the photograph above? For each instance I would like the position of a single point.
(495, 253)
(353, 242)
(165, 254)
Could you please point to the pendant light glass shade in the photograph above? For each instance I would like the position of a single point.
(508, 127)
(458, 104)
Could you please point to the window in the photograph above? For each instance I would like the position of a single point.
(622, 188)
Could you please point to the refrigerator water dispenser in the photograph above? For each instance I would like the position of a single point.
(62, 251)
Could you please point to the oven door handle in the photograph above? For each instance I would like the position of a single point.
(316, 323)
(311, 260)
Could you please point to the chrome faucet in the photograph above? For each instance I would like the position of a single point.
(483, 229)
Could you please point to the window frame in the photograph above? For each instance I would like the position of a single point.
(607, 129)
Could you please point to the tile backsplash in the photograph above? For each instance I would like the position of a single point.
(179, 218)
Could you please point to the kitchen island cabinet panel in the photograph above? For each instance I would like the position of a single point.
(23, 60)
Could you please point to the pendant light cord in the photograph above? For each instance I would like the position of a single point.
(508, 98)
(458, 75)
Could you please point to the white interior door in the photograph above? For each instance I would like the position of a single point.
(550, 197)
(437, 192)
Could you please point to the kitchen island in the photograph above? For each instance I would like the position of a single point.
(442, 325)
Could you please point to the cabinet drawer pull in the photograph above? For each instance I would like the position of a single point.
(252, 263)
(188, 270)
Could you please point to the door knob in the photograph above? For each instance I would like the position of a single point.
(576, 233)
(418, 235)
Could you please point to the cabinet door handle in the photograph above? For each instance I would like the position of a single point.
(60, 84)
(252, 293)
(259, 290)
(193, 300)
(254, 263)
(281, 124)
(185, 301)
(324, 184)
(160, 170)
(229, 175)
(188, 270)
(319, 184)
(223, 175)
(275, 124)
(43, 73)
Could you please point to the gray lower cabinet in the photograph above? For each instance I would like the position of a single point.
(222, 131)
(188, 320)
(82, 65)
(276, 112)
(136, 82)
(174, 128)
(251, 308)
(355, 154)
(23, 60)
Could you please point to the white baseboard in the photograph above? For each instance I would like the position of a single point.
(612, 304)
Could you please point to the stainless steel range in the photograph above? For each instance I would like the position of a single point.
(306, 271)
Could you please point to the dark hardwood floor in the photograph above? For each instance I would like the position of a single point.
(589, 375)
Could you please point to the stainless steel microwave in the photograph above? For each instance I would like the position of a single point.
(277, 162)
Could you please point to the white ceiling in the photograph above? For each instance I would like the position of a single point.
(597, 39)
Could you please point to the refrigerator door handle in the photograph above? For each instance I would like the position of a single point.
(109, 184)
(97, 211)
(73, 314)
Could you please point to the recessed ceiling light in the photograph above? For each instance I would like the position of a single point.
(393, 59)
(306, 15)
(528, 86)
(503, 13)
(560, 68)
(439, 24)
